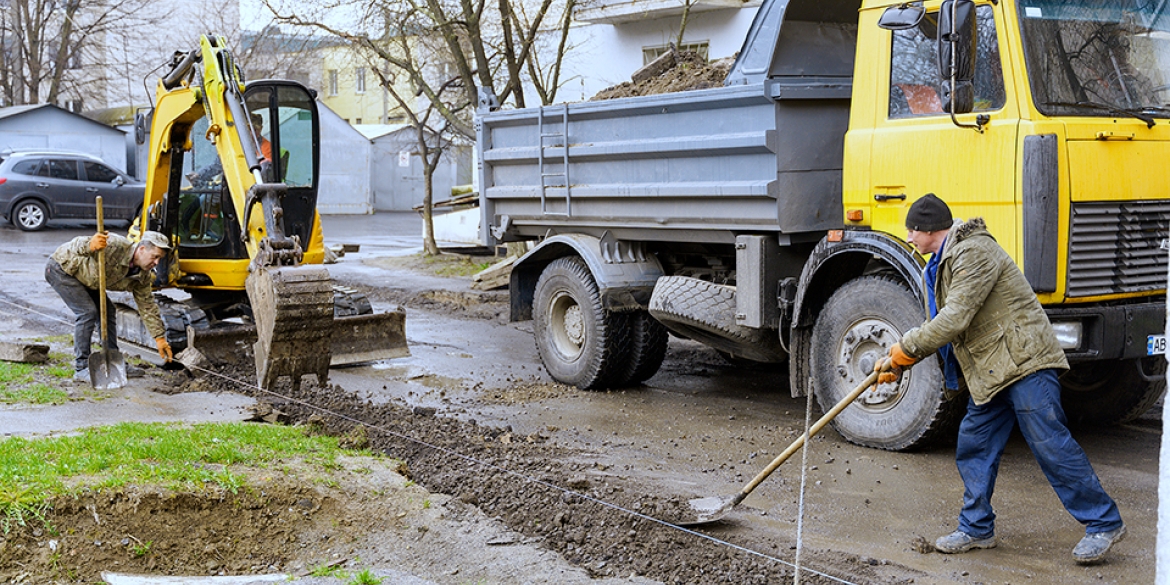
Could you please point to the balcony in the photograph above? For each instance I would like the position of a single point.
(623, 11)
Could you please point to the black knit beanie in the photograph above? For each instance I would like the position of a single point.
(929, 214)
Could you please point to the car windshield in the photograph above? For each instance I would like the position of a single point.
(1098, 58)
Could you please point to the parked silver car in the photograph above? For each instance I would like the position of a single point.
(36, 186)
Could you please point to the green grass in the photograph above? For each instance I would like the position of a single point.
(177, 457)
(365, 577)
(35, 383)
(36, 393)
(328, 571)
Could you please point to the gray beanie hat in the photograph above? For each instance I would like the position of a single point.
(929, 214)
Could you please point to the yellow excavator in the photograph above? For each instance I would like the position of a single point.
(242, 216)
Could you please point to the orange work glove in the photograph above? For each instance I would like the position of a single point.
(888, 372)
(164, 348)
(891, 366)
(98, 241)
(899, 359)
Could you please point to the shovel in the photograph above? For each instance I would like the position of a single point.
(713, 508)
(107, 369)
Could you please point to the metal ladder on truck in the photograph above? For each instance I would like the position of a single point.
(563, 134)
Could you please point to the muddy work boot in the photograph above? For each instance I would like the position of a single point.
(81, 375)
(1092, 548)
(961, 542)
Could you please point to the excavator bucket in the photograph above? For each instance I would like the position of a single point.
(355, 339)
(292, 307)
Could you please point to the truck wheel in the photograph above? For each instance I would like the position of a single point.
(647, 348)
(705, 312)
(1112, 391)
(579, 342)
(857, 326)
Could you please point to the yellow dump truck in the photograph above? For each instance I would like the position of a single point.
(766, 218)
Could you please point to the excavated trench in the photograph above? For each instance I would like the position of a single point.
(550, 494)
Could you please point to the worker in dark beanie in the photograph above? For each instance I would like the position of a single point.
(996, 342)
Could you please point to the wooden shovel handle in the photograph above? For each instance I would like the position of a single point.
(102, 274)
(812, 431)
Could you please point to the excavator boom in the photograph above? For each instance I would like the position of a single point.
(247, 228)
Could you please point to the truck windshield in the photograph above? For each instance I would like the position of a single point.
(1093, 58)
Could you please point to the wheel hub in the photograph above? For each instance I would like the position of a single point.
(567, 324)
(30, 216)
(866, 342)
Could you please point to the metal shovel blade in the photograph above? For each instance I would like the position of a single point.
(107, 369)
(711, 509)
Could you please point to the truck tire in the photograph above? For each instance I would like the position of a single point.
(647, 348)
(857, 326)
(1112, 391)
(579, 341)
(705, 312)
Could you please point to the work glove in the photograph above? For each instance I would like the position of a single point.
(98, 241)
(892, 365)
(164, 348)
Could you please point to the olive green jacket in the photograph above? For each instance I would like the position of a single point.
(989, 314)
(76, 260)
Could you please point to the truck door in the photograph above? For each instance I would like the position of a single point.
(917, 148)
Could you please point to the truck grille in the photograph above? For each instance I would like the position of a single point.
(1116, 247)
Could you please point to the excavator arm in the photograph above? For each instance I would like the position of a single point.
(268, 243)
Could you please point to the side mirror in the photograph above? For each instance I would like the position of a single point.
(140, 128)
(902, 17)
(956, 53)
(119, 181)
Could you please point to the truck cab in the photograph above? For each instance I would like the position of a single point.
(1063, 152)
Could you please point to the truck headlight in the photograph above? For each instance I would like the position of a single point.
(1069, 333)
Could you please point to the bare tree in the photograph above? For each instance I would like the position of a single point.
(54, 48)
(447, 51)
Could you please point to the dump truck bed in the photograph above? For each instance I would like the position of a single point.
(696, 166)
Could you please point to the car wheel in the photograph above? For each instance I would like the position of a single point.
(31, 215)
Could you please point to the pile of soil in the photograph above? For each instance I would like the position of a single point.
(690, 71)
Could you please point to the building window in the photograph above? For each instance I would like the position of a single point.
(357, 121)
(332, 82)
(360, 75)
(75, 59)
(651, 53)
(74, 106)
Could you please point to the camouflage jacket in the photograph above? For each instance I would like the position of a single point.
(76, 259)
(987, 310)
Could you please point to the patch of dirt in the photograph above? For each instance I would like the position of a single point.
(553, 495)
(488, 306)
(527, 392)
(285, 519)
(690, 72)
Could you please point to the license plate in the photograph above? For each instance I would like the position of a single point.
(1156, 345)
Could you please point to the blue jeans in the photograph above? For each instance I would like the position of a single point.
(84, 304)
(1034, 402)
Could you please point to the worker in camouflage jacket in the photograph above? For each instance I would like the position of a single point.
(995, 341)
(72, 271)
